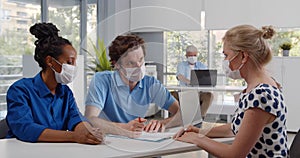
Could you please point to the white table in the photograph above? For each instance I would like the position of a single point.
(113, 147)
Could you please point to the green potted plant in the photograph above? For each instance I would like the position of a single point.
(286, 46)
(100, 57)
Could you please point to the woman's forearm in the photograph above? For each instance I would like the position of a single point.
(218, 131)
(50, 135)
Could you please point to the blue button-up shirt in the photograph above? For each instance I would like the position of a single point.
(117, 103)
(31, 108)
(184, 69)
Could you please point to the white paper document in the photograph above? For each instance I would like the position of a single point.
(146, 136)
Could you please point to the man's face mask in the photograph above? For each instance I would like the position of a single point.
(192, 59)
(134, 74)
(67, 74)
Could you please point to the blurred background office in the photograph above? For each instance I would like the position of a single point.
(167, 26)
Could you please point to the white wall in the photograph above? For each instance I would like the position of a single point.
(160, 15)
(123, 16)
(224, 14)
(284, 70)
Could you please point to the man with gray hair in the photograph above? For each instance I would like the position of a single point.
(184, 68)
(184, 74)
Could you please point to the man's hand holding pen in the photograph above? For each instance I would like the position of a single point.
(136, 125)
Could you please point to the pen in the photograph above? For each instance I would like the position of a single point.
(140, 121)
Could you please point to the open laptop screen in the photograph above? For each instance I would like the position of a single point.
(204, 77)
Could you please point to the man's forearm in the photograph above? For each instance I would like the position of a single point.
(183, 79)
(173, 121)
(108, 127)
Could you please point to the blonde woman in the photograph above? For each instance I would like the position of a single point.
(259, 123)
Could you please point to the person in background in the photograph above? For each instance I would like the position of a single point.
(184, 68)
(42, 108)
(122, 97)
(183, 75)
(259, 124)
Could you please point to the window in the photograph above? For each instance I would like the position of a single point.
(286, 35)
(92, 31)
(67, 20)
(13, 44)
(22, 14)
(5, 14)
(21, 29)
(176, 42)
(22, 22)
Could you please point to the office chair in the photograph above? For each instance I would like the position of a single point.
(205, 99)
(294, 150)
(3, 128)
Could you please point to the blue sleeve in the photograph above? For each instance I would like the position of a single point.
(160, 95)
(200, 65)
(19, 116)
(180, 69)
(75, 115)
(97, 92)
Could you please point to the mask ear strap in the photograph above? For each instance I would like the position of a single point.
(233, 57)
(56, 61)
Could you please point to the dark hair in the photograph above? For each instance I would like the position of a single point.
(122, 44)
(48, 42)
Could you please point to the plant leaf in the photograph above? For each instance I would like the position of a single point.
(101, 61)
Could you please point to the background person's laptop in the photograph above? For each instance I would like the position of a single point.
(190, 108)
(206, 77)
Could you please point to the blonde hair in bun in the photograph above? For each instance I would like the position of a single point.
(248, 38)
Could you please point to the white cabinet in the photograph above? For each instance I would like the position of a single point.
(286, 71)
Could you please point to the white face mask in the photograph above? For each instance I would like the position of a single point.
(234, 74)
(192, 59)
(135, 74)
(67, 74)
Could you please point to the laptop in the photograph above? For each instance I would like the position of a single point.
(206, 77)
(190, 108)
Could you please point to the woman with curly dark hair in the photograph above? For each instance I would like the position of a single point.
(42, 108)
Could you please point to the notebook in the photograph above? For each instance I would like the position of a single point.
(149, 137)
(204, 77)
(190, 108)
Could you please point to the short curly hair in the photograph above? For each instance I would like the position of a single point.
(121, 44)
